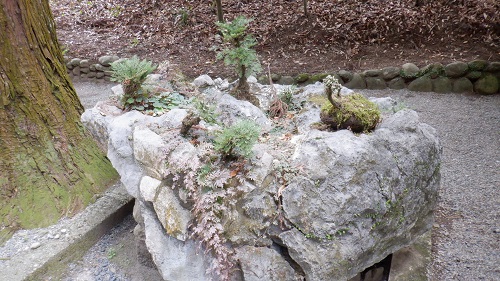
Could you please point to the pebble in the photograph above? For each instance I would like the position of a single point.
(496, 230)
(35, 245)
(64, 230)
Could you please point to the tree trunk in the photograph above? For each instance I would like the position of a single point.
(306, 12)
(49, 165)
(220, 14)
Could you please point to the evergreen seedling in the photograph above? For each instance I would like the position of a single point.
(240, 54)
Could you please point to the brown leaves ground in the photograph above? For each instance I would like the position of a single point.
(343, 34)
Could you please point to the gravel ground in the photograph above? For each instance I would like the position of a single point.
(466, 236)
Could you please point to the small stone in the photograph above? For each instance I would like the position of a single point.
(203, 81)
(75, 62)
(397, 83)
(390, 73)
(372, 73)
(456, 69)
(374, 83)
(35, 245)
(84, 63)
(64, 230)
(463, 85)
(107, 60)
(496, 230)
(357, 82)
(286, 80)
(486, 85)
(409, 70)
(422, 84)
(57, 236)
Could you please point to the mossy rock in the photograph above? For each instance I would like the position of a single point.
(375, 83)
(422, 84)
(474, 75)
(357, 82)
(397, 83)
(356, 113)
(486, 85)
(477, 65)
(456, 69)
(301, 78)
(463, 85)
(442, 85)
(409, 71)
(317, 77)
(493, 67)
(432, 70)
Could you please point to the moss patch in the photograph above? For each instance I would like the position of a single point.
(356, 112)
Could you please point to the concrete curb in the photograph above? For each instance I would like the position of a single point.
(49, 260)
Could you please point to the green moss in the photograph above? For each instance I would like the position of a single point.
(41, 199)
(354, 106)
(301, 78)
(317, 77)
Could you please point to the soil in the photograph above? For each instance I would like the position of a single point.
(184, 33)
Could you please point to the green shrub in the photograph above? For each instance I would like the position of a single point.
(131, 73)
(238, 139)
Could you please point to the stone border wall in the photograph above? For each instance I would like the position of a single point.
(85, 69)
(478, 76)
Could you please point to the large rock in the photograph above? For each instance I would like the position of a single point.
(363, 197)
(262, 263)
(176, 260)
(232, 109)
(321, 206)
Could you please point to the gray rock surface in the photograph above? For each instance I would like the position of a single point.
(262, 263)
(359, 195)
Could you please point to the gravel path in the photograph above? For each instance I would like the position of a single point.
(466, 236)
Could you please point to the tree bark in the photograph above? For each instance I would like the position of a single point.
(49, 165)
(220, 14)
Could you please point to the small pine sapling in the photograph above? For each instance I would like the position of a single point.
(240, 54)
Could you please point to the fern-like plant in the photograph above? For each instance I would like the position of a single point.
(237, 140)
(240, 54)
(131, 73)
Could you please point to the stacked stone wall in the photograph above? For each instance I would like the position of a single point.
(478, 76)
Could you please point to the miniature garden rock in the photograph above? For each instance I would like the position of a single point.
(313, 205)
